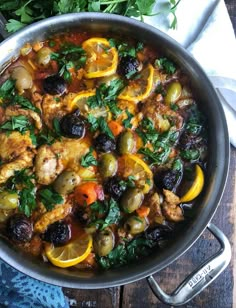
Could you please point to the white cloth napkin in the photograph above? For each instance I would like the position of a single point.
(205, 30)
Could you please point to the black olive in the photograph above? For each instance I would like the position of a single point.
(114, 188)
(103, 143)
(188, 140)
(72, 126)
(54, 84)
(167, 179)
(128, 65)
(58, 233)
(19, 228)
(159, 233)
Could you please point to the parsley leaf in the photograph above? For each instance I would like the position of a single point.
(106, 96)
(69, 56)
(7, 89)
(27, 11)
(27, 194)
(126, 253)
(88, 159)
(49, 197)
(166, 65)
(111, 211)
(127, 122)
(99, 123)
(17, 123)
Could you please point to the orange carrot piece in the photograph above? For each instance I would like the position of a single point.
(89, 192)
(115, 127)
(143, 211)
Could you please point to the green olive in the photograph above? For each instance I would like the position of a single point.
(135, 225)
(108, 165)
(173, 92)
(131, 199)
(22, 77)
(44, 56)
(5, 214)
(126, 142)
(8, 201)
(66, 182)
(103, 242)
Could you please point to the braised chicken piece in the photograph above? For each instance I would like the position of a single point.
(155, 214)
(59, 212)
(52, 160)
(170, 207)
(54, 107)
(162, 115)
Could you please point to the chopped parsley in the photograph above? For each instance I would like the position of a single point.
(127, 122)
(69, 57)
(9, 96)
(99, 123)
(27, 197)
(88, 159)
(110, 210)
(106, 96)
(127, 252)
(125, 49)
(49, 197)
(166, 65)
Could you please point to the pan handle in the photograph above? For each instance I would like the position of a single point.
(200, 278)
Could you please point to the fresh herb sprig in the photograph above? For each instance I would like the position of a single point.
(88, 159)
(49, 197)
(9, 97)
(68, 57)
(24, 179)
(127, 252)
(110, 211)
(106, 96)
(99, 123)
(23, 12)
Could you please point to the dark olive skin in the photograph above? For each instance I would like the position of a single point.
(103, 143)
(167, 179)
(54, 84)
(114, 188)
(135, 225)
(19, 228)
(128, 65)
(58, 233)
(131, 200)
(103, 242)
(72, 126)
(126, 142)
(108, 165)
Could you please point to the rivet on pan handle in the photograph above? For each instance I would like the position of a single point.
(201, 277)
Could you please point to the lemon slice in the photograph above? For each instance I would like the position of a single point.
(133, 165)
(196, 187)
(71, 254)
(140, 88)
(80, 100)
(102, 59)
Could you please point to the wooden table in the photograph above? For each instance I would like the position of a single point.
(218, 295)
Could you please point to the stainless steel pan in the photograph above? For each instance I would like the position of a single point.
(215, 179)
